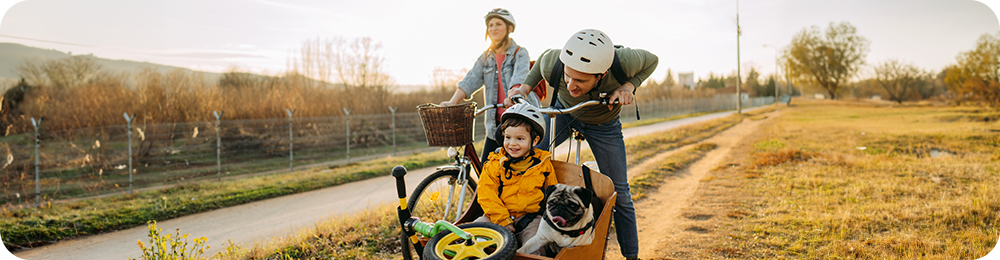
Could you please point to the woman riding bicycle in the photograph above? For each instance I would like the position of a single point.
(503, 53)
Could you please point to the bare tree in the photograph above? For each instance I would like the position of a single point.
(446, 79)
(898, 78)
(358, 66)
(827, 59)
(62, 73)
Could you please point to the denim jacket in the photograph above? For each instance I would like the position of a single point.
(484, 73)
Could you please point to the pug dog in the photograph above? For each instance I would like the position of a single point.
(568, 220)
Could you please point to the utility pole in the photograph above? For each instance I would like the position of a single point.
(739, 95)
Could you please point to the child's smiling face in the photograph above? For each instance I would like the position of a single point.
(517, 141)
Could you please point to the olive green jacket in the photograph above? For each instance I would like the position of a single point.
(638, 64)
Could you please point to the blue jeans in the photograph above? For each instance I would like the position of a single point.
(608, 146)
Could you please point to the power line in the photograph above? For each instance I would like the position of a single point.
(48, 41)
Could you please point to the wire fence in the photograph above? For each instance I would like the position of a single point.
(94, 161)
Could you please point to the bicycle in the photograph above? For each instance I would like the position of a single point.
(460, 177)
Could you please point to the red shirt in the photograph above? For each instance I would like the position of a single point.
(501, 91)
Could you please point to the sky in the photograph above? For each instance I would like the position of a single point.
(418, 36)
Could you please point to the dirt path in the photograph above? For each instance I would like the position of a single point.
(661, 217)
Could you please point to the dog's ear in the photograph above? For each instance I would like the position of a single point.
(584, 194)
(548, 191)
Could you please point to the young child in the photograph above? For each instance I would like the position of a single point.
(512, 184)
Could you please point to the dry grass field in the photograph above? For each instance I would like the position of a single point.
(853, 180)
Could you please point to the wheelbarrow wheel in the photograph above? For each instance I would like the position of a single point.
(492, 242)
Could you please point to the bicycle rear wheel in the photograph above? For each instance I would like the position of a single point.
(439, 197)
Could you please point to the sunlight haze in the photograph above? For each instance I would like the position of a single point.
(416, 36)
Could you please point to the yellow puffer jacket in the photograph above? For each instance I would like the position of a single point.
(505, 193)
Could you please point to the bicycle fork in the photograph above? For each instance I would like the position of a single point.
(461, 194)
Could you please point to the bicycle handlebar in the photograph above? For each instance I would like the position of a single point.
(550, 110)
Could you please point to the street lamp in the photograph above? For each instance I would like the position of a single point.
(775, 71)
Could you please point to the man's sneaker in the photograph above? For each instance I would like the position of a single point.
(632, 258)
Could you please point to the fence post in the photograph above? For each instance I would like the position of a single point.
(393, 109)
(348, 112)
(651, 103)
(663, 106)
(218, 145)
(291, 154)
(38, 187)
(129, 121)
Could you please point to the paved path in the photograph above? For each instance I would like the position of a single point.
(271, 218)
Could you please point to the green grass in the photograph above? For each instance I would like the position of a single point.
(858, 182)
(645, 122)
(643, 147)
(652, 178)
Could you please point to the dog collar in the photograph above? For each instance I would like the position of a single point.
(570, 233)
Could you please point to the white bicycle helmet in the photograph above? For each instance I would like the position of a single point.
(588, 51)
(502, 14)
(528, 112)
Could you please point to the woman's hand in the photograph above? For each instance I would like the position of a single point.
(447, 103)
(623, 95)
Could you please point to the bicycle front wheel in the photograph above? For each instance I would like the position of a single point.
(439, 197)
(490, 242)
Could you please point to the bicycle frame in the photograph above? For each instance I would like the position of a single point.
(469, 159)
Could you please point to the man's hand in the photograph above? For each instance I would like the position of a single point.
(510, 227)
(515, 90)
(623, 95)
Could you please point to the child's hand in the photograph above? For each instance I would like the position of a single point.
(510, 227)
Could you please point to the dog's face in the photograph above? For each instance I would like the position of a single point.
(567, 205)
(568, 210)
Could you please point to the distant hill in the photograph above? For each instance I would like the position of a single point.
(13, 55)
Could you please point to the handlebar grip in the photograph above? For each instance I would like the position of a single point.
(517, 98)
(398, 172)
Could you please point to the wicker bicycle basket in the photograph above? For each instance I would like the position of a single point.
(447, 126)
